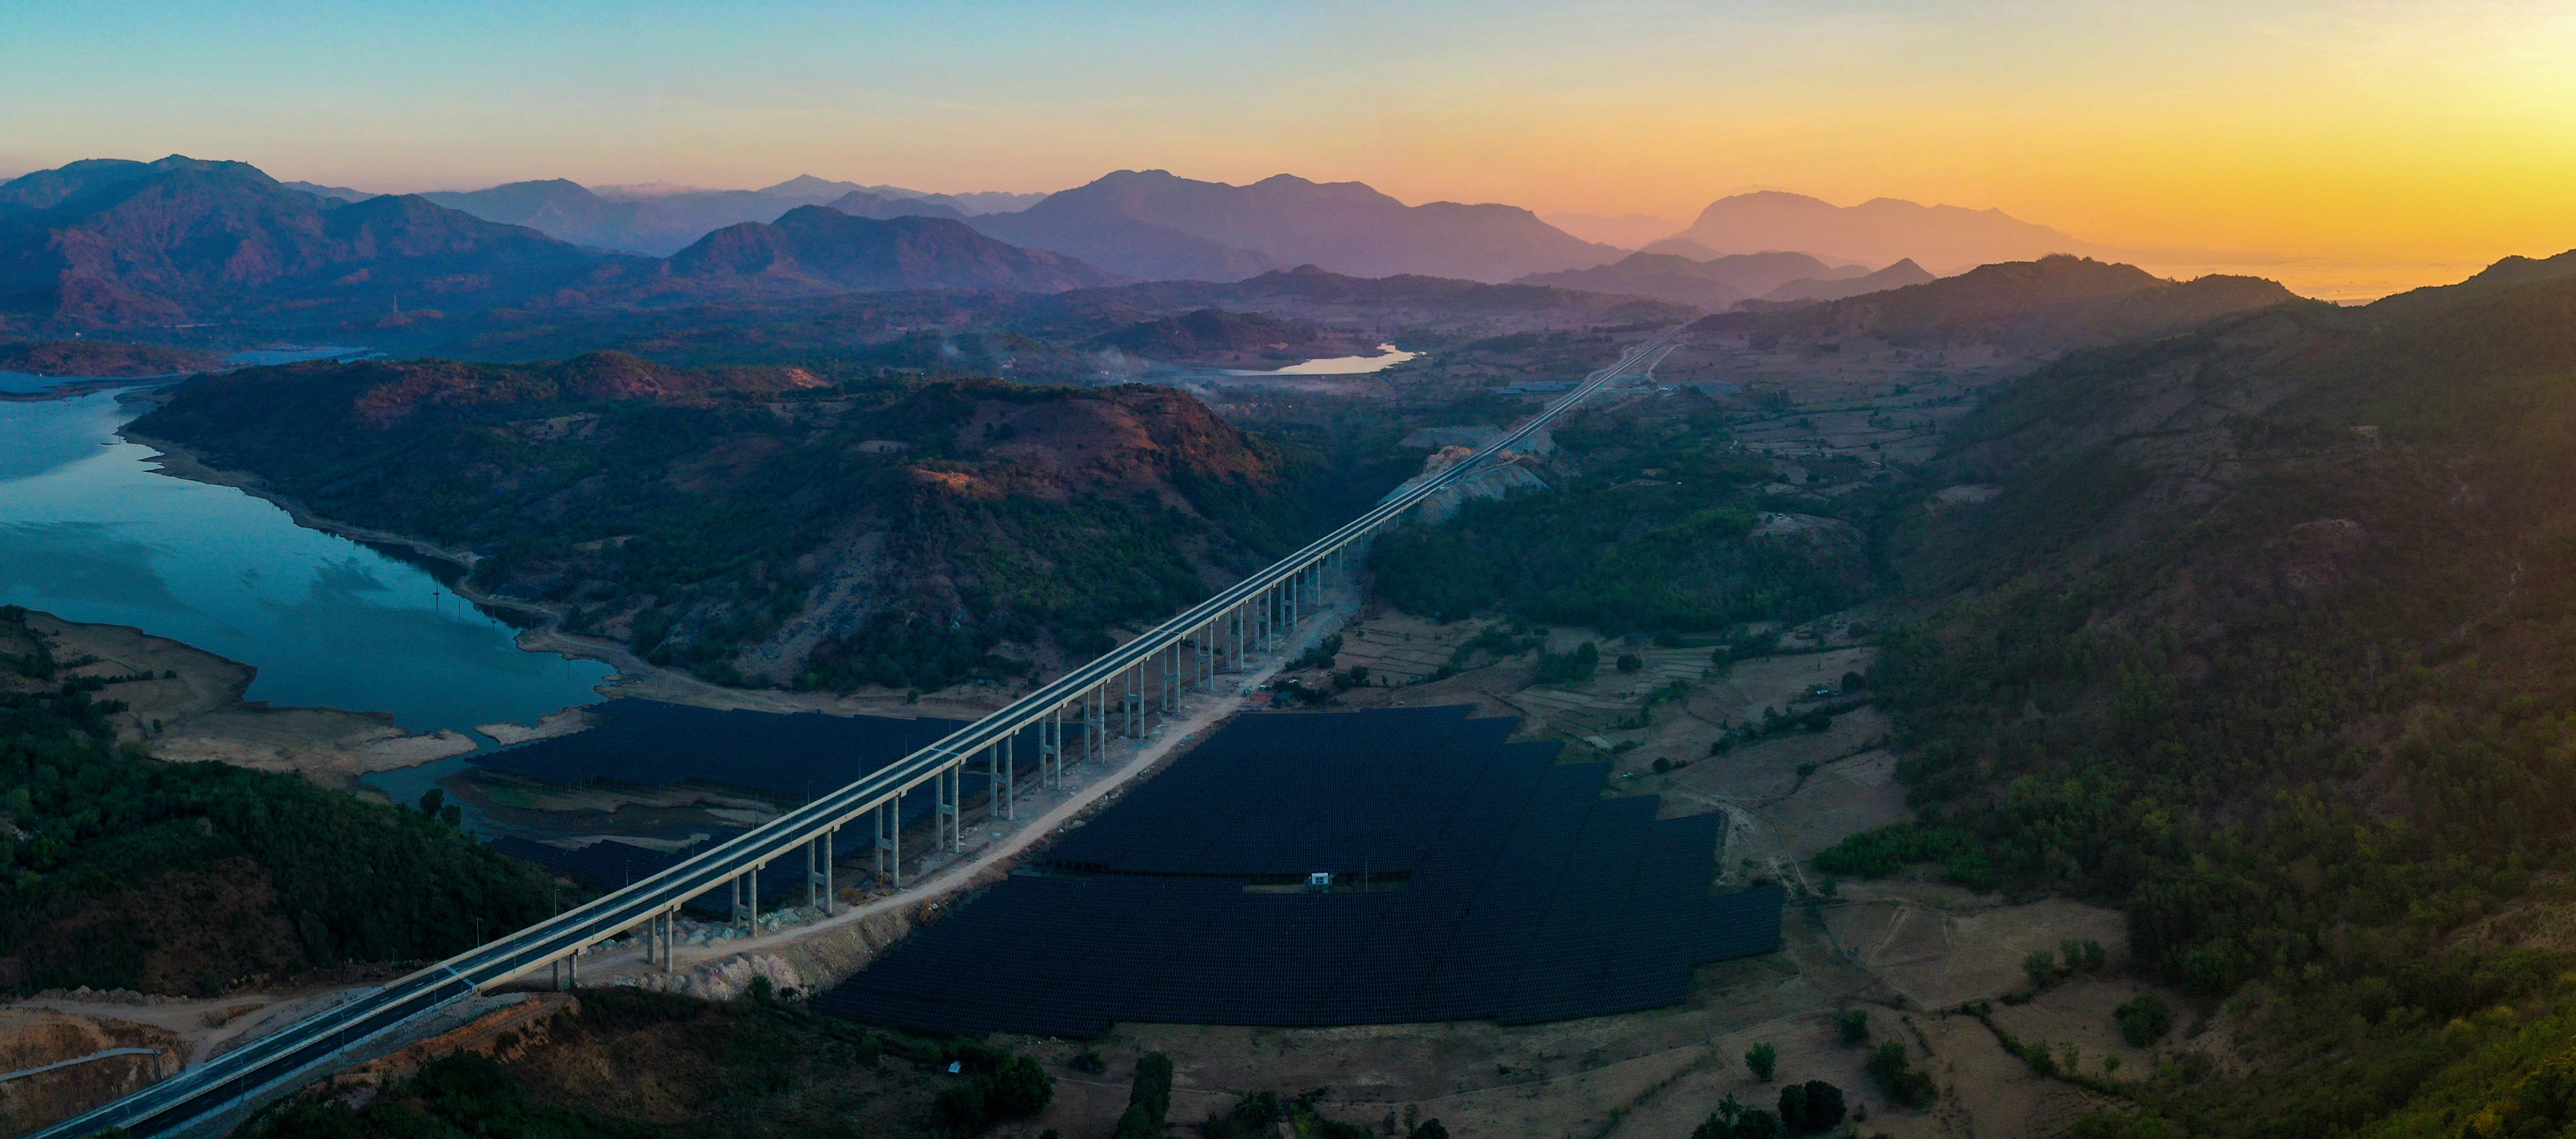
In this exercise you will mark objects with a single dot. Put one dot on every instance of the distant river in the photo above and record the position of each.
(89, 532)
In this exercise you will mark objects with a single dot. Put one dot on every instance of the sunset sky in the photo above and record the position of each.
(2337, 130)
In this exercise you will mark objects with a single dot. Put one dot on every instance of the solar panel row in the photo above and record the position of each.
(792, 756)
(610, 864)
(1507, 888)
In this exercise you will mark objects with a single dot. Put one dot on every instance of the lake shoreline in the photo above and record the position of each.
(546, 636)
(188, 706)
(635, 677)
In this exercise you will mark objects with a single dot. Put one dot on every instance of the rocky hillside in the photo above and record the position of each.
(757, 526)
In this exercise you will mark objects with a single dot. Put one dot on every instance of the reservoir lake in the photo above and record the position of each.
(89, 532)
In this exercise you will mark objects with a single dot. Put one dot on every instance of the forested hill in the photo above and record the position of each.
(758, 525)
(2267, 639)
(2048, 305)
(119, 871)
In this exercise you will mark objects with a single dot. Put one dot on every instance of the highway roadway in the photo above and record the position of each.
(290, 1052)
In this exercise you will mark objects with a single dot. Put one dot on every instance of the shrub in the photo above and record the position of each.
(963, 1105)
(1020, 1088)
(1320, 656)
(1854, 1023)
(1895, 1075)
(1255, 1116)
(1810, 1107)
(1137, 1123)
(2040, 968)
(1877, 853)
(2083, 956)
(1630, 662)
(2144, 1020)
(1153, 1089)
(1560, 668)
(1762, 1061)
(1734, 1120)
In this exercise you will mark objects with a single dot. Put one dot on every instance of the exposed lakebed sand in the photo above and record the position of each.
(186, 705)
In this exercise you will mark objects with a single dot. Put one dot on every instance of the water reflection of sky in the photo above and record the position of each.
(1388, 356)
(87, 531)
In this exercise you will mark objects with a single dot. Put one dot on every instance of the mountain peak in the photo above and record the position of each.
(809, 186)
(1158, 224)
(1878, 231)
(817, 249)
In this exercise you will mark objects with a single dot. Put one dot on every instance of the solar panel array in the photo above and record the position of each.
(609, 864)
(1506, 888)
(794, 756)
(790, 756)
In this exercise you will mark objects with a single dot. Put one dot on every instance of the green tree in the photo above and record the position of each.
(1152, 1090)
(2040, 968)
(1762, 1060)
(1734, 1120)
(2143, 1019)
(1021, 1087)
(1894, 1073)
(1854, 1023)
(1810, 1107)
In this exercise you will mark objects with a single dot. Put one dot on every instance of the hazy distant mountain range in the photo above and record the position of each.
(1945, 239)
(665, 222)
(180, 241)
(106, 243)
(1146, 224)
(2050, 304)
(818, 249)
(1155, 225)
(111, 242)
(1627, 231)
(1721, 282)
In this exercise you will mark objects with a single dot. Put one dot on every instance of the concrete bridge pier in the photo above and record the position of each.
(1010, 776)
(943, 835)
(890, 841)
(1051, 749)
(818, 872)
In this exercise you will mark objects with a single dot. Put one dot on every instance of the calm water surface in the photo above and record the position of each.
(88, 532)
(1388, 356)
